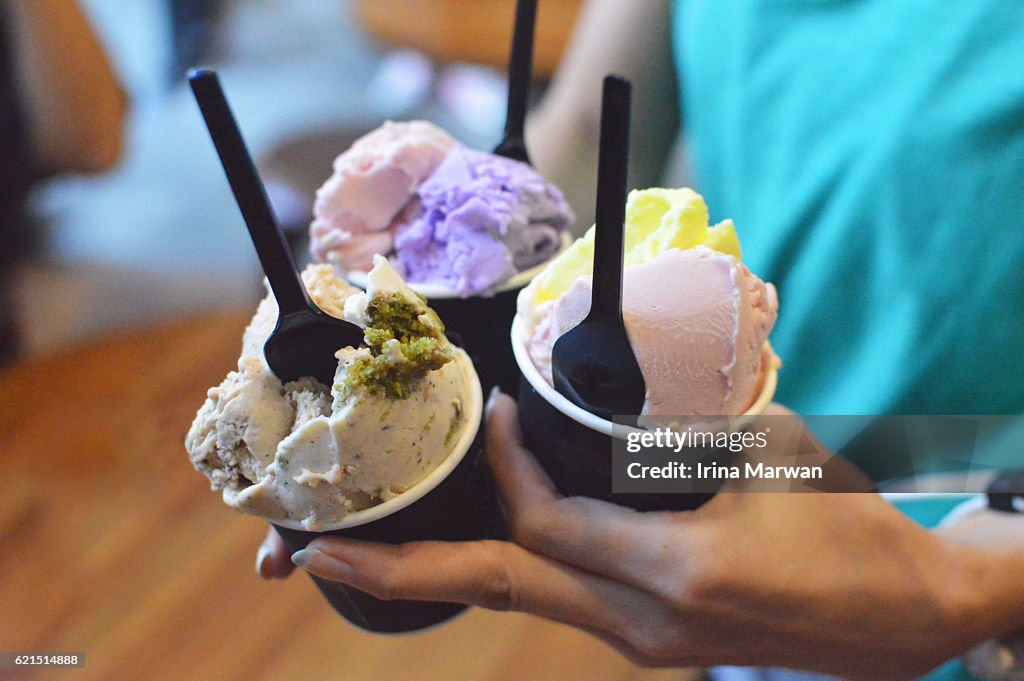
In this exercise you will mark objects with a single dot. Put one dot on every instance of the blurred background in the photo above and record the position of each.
(158, 235)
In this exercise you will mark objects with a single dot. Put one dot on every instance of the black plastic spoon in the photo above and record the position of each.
(593, 364)
(520, 71)
(305, 339)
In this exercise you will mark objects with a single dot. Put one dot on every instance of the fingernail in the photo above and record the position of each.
(261, 559)
(318, 562)
(491, 399)
(304, 557)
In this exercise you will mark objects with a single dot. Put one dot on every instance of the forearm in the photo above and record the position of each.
(631, 39)
(73, 104)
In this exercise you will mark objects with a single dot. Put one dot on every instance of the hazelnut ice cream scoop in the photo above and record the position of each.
(311, 454)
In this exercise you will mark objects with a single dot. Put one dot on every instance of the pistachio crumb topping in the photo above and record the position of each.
(421, 347)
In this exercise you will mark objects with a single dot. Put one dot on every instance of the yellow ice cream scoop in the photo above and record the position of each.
(657, 219)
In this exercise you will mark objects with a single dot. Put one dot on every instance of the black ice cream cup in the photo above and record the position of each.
(575, 447)
(479, 326)
(455, 502)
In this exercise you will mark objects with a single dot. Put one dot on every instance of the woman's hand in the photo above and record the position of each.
(836, 583)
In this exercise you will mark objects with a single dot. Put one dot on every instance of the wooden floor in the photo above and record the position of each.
(113, 546)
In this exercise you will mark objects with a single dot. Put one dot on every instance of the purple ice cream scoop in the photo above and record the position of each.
(478, 220)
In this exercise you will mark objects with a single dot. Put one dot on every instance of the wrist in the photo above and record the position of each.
(1005, 573)
(1000, 657)
(966, 596)
(984, 593)
(1006, 500)
(986, 534)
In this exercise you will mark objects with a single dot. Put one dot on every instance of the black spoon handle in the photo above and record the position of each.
(606, 303)
(520, 71)
(251, 196)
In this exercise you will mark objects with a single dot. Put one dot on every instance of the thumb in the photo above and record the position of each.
(273, 560)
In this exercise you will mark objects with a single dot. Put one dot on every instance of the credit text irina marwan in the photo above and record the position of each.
(735, 441)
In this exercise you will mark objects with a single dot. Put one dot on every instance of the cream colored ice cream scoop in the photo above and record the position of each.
(307, 454)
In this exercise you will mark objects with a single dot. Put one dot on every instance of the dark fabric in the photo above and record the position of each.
(15, 177)
(15, 168)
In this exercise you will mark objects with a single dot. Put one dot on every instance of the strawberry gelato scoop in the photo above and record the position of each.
(445, 214)
(356, 209)
(697, 318)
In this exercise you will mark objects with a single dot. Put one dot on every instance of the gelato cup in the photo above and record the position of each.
(575, 447)
(698, 322)
(391, 452)
(455, 502)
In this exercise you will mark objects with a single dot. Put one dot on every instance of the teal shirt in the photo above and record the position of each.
(871, 153)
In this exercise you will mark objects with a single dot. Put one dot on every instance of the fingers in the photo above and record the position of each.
(273, 560)
(521, 481)
(491, 574)
(602, 538)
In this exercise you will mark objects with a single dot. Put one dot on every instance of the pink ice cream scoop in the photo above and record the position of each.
(357, 208)
(697, 320)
